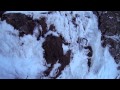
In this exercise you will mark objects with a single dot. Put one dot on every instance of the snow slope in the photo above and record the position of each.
(27, 61)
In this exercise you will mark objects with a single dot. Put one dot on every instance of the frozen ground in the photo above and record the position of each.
(27, 61)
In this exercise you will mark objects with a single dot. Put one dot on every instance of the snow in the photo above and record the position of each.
(23, 57)
(65, 48)
(114, 37)
(54, 70)
(51, 33)
(17, 60)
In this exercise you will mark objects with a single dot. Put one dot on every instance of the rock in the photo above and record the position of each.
(90, 53)
(21, 22)
(64, 61)
(52, 27)
(109, 24)
(53, 49)
(54, 52)
(42, 22)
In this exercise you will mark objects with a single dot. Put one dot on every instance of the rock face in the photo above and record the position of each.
(109, 24)
(42, 23)
(54, 52)
(53, 49)
(21, 22)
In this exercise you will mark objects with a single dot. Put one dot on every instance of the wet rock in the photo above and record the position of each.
(21, 22)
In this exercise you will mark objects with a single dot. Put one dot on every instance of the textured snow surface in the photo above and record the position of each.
(26, 61)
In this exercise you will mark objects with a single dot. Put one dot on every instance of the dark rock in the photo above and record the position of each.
(54, 52)
(65, 59)
(118, 67)
(52, 27)
(113, 48)
(109, 24)
(74, 21)
(90, 53)
(53, 49)
(42, 22)
(21, 22)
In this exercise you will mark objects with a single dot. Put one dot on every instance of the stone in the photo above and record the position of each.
(109, 24)
(54, 52)
(21, 22)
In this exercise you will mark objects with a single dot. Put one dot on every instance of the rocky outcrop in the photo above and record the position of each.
(53, 49)
(21, 22)
(42, 23)
(109, 24)
(54, 52)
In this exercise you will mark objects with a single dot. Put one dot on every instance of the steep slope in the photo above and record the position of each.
(57, 44)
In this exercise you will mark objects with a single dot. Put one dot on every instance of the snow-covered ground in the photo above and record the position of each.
(26, 61)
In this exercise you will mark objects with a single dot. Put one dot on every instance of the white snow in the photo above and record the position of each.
(17, 60)
(65, 48)
(55, 69)
(114, 37)
(51, 33)
(23, 57)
